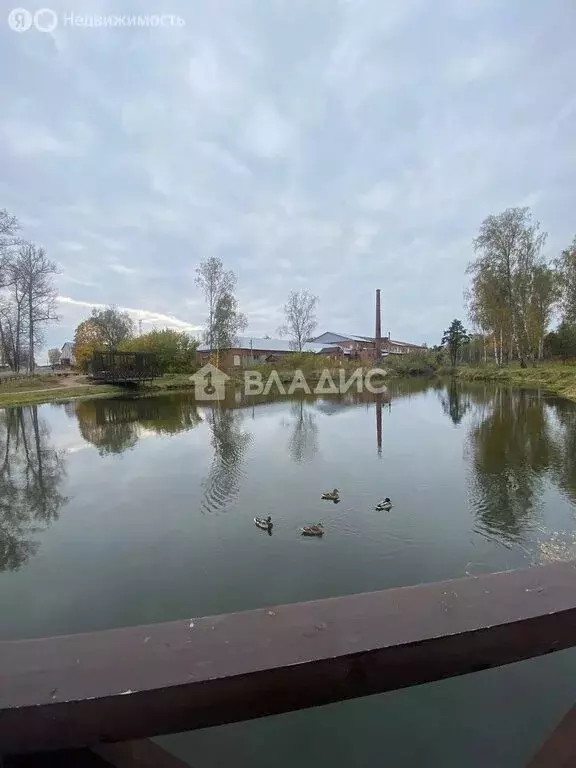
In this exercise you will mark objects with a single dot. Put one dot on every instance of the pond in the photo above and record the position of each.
(116, 512)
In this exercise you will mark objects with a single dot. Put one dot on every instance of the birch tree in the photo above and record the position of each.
(566, 271)
(300, 313)
(507, 272)
(224, 320)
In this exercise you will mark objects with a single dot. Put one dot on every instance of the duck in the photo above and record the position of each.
(385, 505)
(312, 530)
(263, 522)
(331, 495)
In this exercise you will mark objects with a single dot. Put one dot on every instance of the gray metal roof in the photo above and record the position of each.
(267, 345)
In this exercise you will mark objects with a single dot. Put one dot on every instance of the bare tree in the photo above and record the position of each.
(13, 328)
(9, 226)
(35, 274)
(300, 312)
(225, 321)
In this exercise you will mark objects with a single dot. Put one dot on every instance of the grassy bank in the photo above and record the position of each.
(56, 396)
(31, 390)
(555, 377)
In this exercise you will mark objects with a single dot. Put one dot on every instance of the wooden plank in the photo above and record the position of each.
(138, 754)
(559, 749)
(143, 753)
(74, 758)
(78, 690)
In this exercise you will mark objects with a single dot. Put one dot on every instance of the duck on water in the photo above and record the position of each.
(312, 530)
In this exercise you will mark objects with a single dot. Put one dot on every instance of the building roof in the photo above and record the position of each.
(267, 345)
(335, 338)
(68, 345)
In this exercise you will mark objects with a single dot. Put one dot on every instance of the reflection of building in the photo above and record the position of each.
(67, 354)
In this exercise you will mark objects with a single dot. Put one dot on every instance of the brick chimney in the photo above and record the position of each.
(378, 339)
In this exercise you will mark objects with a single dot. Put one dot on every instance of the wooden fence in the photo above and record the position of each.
(104, 693)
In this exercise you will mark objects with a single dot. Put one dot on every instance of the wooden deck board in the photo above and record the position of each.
(130, 683)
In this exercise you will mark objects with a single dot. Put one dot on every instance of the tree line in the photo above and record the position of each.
(27, 296)
(514, 294)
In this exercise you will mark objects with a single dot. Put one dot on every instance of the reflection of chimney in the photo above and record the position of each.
(378, 344)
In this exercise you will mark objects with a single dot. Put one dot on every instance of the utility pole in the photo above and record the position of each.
(140, 327)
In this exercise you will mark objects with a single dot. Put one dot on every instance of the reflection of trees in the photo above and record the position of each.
(564, 468)
(455, 402)
(303, 442)
(31, 472)
(511, 448)
(114, 426)
(230, 443)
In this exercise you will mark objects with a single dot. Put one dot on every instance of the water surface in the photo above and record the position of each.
(120, 512)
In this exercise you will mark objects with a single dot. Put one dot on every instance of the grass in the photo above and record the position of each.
(25, 383)
(555, 377)
(168, 382)
(31, 390)
(8, 399)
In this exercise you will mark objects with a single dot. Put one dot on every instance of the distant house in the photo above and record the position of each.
(253, 351)
(67, 358)
(363, 348)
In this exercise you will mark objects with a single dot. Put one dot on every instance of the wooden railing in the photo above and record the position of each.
(95, 690)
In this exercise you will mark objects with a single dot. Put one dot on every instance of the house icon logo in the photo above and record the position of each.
(209, 383)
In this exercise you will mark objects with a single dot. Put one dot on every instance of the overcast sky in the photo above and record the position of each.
(334, 145)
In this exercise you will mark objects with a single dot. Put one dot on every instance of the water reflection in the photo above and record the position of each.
(230, 443)
(303, 441)
(564, 451)
(115, 426)
(455, 401)
(31, 471)
(516, 440)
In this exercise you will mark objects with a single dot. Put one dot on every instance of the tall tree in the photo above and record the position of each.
(544, 293)
(35, 272)
(88, 338)
(228, 322)
(9, 226)
(508, 249)
(224, 320)
(566, 271)
(13, 318)
(454, 339)
(562, 342)
(113, 326)
(300, 314)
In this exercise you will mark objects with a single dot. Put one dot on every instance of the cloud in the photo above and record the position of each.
(122, 269)
(266, 133)
(333, 146)
(157, 319)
